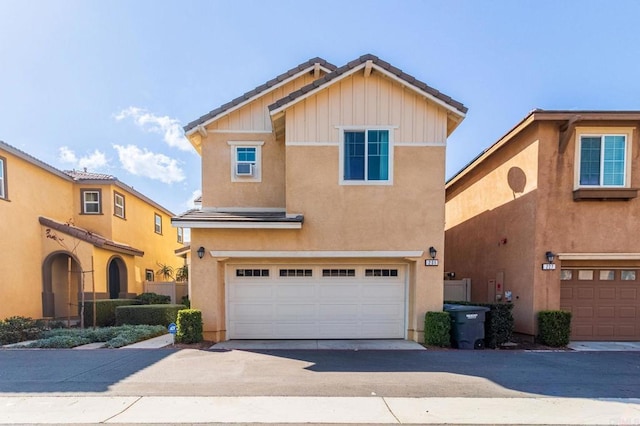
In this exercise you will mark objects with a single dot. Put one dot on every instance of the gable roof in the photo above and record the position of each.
(81, 176)
(258, 91)
(382, 66)
(565, 118)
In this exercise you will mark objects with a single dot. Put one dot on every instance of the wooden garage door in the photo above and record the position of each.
(315, 301)
(605, 303)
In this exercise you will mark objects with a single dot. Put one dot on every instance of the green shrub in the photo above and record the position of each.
(112, 337)
(105, 311)
(189, 326)
(554, 328)
(153, 299)
(437, 328)
(498, 322)
(147, 314)
(18, 329)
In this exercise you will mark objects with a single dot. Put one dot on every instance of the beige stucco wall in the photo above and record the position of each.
(34, 191)
(491, 229)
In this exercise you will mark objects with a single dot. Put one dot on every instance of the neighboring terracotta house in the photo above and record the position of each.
(99, 223)
(563, 182)
(322, 192)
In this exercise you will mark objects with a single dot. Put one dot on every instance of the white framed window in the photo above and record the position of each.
(180, 235)
(3, 178)
(148, 274)
(91, 201)
(366, 156)
(118, 205)
(157, 219)
(246, 161)
(603, 157)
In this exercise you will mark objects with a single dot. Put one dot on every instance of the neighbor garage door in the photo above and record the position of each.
(605, 303)
(315, 301)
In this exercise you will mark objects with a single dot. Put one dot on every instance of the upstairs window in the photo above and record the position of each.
(157, 223)
(91, 201)
(603, 160)
(118, 205)
(246, 161)
(3, 178)
(180, 235)
(366, 156)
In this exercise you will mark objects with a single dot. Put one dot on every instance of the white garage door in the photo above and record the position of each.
(316, 301)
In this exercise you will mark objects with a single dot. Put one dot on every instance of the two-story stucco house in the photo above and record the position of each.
(322, 193)
(111, 237)
(549, 215)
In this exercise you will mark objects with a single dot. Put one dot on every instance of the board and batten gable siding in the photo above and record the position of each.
(366, 101)
(255, 115)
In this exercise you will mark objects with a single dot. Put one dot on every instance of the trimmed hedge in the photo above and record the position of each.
(105, 311)
(437, 328)
(554, 328)
(18, 329)
(189, 326)
(153, 299)
(147, 314)
(498, 322)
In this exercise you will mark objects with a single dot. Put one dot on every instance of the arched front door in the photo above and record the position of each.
(59, 288)
(117, 278)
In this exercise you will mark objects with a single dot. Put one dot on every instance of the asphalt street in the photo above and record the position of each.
(320, 373)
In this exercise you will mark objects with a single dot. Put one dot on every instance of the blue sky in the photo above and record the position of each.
(108, 85)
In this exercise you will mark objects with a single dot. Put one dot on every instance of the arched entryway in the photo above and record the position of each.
(117, 278)
(60, 290)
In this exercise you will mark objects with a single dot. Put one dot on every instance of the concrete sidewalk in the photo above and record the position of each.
(326, 410)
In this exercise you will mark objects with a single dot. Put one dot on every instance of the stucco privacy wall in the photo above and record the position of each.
(29, 187)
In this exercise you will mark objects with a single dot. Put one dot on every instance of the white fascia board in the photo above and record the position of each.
(245, 209)
(598, 256)
(235, 225)
(253, 98)
(316, 254)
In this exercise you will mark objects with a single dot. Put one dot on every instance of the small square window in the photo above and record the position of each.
(158, 223)
(245, 161)
(366, 156)
(585, 275)
(91, 201)
(566, 274)
(118, 205)
(607, 275)
(148, 274)
(603, 160)
(628, 275)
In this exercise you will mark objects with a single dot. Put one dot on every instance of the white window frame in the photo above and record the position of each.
(256, 176)
(157, 223)
(3, 178)
(117, 205)
(341, 179)
(602, 132)
(85, 203)
(180, 234)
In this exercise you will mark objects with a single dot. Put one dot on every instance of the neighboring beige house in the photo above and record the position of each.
(54, 220)
(564, 182)
(322, 193)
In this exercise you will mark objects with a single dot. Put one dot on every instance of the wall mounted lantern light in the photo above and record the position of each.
(433, 252)
(550, 256)
(201, 252)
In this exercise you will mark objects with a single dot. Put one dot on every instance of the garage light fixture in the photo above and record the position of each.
(201, 252)
(433, 252)
(550, 256)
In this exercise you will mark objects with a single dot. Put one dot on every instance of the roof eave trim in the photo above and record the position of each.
(235, 225)
(378, 68)
(205, 123)
(306, 254)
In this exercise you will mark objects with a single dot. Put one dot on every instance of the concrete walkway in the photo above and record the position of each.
(604, 346)
(326, 410)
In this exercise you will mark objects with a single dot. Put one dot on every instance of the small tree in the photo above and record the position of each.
(182, 273)
(165, 271)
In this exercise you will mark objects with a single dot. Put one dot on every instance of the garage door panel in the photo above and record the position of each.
(613, 313)
(251, 292)
(317, 305)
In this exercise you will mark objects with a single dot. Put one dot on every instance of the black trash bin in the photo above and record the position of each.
(467, 325)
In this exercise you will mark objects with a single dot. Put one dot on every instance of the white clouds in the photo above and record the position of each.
(166, 126)
(191, 201)
(94, 161)
(148, 164)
